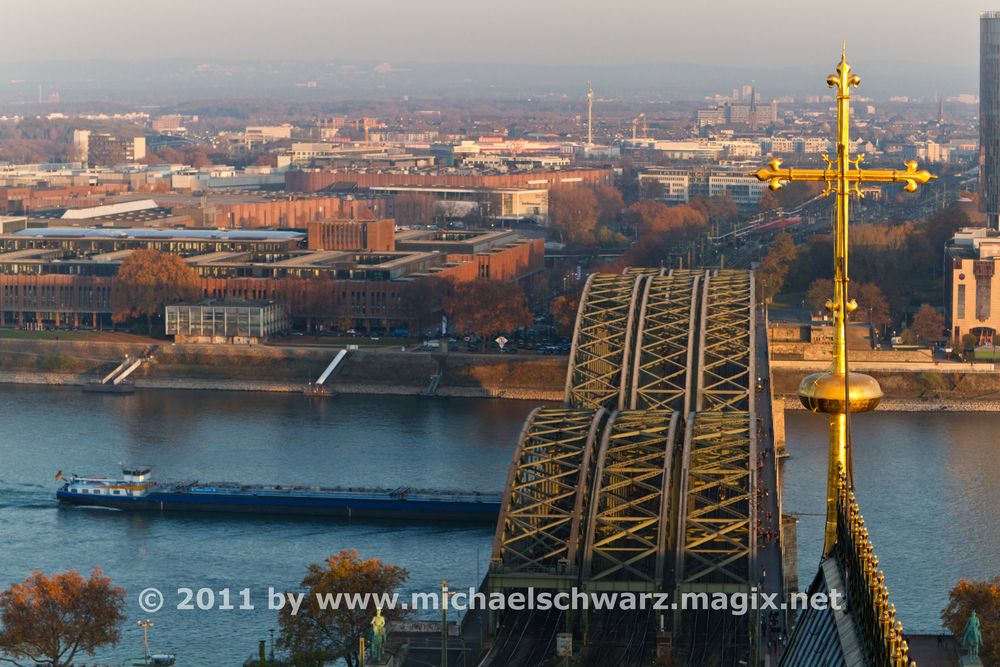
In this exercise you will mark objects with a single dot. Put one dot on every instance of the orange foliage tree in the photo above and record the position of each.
(51, 619)
(486, 307)
(573, 213)
(315, 634)
(927, 325)
(564, 309)
(147, 281)
(984, 598)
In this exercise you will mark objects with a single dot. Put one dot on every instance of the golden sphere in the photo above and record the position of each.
(824, 392)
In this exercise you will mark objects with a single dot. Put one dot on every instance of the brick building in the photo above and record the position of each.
(66, 276)
(377, 235)
(315, 180)
(297, 212)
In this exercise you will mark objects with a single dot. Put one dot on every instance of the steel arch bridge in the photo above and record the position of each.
(644, 480)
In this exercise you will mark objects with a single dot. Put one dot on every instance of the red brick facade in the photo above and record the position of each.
(295, 212)
(373, 235)
(313, 181)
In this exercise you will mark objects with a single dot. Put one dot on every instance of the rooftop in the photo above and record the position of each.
(225, 235)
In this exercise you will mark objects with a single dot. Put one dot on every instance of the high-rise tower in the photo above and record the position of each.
(590, 114)
(989, 116)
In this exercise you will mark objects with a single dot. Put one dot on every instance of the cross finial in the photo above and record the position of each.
(831, 392)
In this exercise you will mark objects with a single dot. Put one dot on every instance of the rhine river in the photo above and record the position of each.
(927, 486)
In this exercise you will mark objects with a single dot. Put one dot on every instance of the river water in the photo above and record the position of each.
(926, 487)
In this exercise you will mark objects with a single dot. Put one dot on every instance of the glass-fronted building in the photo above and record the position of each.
(236, 322)
(989, 116)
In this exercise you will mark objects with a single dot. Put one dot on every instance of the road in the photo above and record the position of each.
(768, 513)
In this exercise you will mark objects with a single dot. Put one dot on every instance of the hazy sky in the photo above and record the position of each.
(713, 32)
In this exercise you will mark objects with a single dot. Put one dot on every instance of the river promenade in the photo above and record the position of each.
(287, 369)
(910, 386)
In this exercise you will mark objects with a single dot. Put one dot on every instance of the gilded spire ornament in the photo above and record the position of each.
(837, 392)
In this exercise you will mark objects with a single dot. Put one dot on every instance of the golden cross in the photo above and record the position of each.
(836, 392)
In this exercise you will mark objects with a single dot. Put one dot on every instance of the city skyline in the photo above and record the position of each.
(416, 49)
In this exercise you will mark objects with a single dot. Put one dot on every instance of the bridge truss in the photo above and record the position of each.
(726, 366)
(661, 370)
(717, 503)
(665, 343)
(538, 532)
(602, 341)
(629, 523)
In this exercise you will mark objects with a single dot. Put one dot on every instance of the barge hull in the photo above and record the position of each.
(326, 507)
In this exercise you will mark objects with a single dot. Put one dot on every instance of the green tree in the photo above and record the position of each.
(984, 598)
(928, 324)
(147, 281)
(486, 307)
(573, 213)
(53, 618)
(327, 634)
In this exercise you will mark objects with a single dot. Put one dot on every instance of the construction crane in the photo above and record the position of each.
(370, 124)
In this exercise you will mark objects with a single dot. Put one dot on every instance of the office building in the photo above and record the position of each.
(972, 283)
(989, 116)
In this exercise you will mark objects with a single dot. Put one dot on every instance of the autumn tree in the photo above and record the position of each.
(928, 324)
(768, 201)
(332, 632)
(721, 207)
(564, 309)
(652, 189)
(423, 299)
(485, 307)
(147, 281)
(773, 270)
(414, 208)
(52, 619)
(873, 307)
(796, 193)
(653, 217)
(573, 213)
(819, 292)
(983, 597)
(610, 205)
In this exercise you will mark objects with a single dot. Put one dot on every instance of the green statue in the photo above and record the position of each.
(379, 636)
(972, 638)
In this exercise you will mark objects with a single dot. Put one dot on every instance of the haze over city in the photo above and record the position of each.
(455, 48)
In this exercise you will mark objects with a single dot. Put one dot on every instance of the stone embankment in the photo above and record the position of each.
(287, 369)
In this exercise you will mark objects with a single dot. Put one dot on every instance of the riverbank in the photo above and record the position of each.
(917, 405)
(386, 371)
(911, 387)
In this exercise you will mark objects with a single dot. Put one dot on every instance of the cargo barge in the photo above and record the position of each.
(136, 491)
